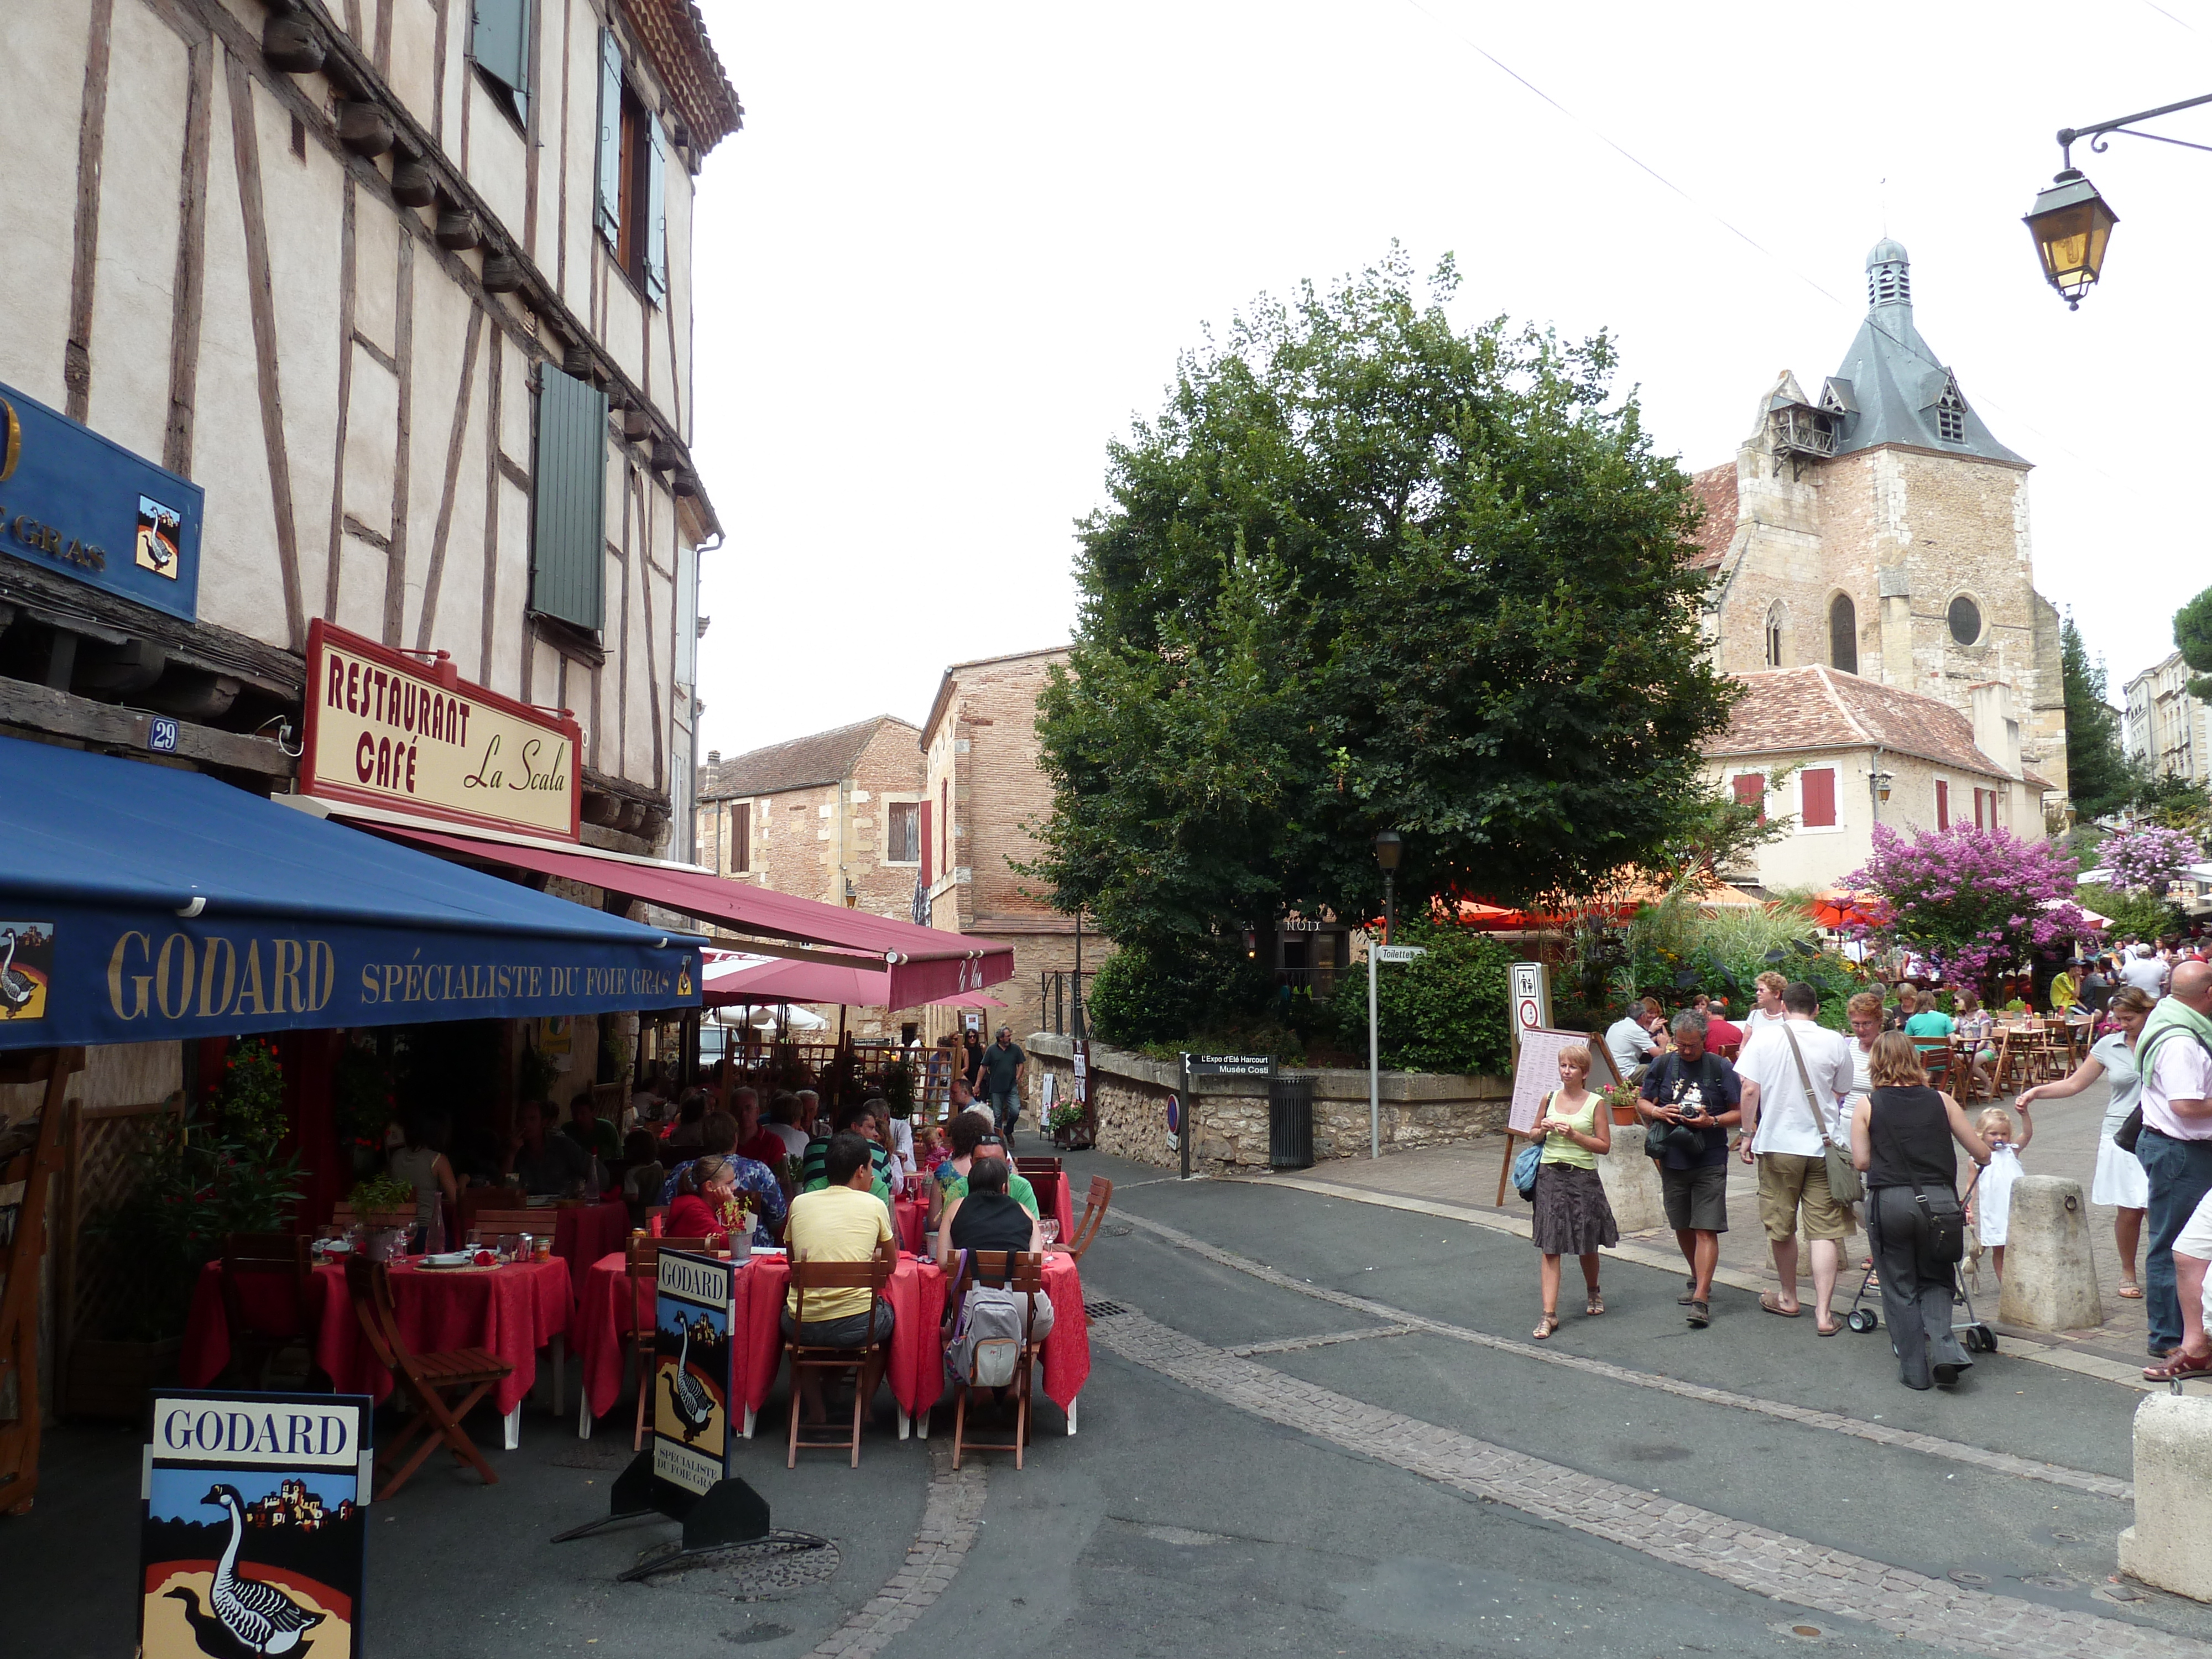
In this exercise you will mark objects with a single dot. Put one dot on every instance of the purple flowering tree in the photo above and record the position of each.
(1976, 903)
(2147, 861)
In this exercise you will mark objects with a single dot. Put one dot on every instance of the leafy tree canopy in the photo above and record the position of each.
(1366, 570)
(2192, 636)
(2099, 778)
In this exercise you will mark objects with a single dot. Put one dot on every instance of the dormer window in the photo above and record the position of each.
(1950, 414)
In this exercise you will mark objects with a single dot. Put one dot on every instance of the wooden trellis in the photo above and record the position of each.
(95, 1292)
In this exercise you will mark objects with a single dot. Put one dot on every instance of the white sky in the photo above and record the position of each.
(957, 247)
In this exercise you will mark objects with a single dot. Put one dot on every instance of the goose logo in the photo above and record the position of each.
(11, 441)
(160, 529)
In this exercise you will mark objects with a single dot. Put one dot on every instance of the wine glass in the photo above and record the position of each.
(1051, 1232)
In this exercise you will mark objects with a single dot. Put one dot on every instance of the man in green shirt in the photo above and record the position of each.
(1930, 1022)
(858, 1118)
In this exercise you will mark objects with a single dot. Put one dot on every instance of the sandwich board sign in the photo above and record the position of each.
(252, 1534)
(694, 1369)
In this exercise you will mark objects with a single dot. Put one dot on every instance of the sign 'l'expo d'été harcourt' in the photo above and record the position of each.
(386, 729)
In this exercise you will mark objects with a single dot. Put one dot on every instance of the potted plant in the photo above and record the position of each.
(1066, 1125)
(1621, 1097)
(384, 1206)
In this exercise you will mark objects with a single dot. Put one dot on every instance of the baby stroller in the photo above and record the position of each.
(1975, 1335)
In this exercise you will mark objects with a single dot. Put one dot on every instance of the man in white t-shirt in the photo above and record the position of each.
(1786, 1133)
(2146, 972)
(2175, 1150)
(1630, 1041)
(1766, 1003)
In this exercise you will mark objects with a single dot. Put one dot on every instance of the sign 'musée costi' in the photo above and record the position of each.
(75, 503)
(138, 903)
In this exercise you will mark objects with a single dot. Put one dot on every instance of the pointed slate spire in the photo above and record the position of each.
(1897, 390)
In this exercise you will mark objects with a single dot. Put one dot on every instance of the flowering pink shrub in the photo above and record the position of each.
(1976, 903)
(2147, 861)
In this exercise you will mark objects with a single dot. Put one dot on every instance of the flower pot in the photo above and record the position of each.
(110, 1379)
(1624, 1116)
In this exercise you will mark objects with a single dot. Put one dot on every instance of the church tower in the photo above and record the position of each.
(1878, 528)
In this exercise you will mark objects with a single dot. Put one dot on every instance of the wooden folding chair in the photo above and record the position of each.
(1036, 1166)
(1023, 1273)
(428, 1378)
(280, 1272)
(641, 1262)
(1094, 1210)
(873, 1273)
(1936, 1059)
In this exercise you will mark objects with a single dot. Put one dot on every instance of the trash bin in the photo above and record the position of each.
(1289, 1123)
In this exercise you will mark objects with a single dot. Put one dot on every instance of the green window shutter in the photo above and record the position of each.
(569, 556)
(656, 216)
(609, 213)
(500, 42)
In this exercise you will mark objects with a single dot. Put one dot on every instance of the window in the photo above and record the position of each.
(569, 537)
(1843, 633)
(1751, 791)
(903, 843)
(1774, 618)
(1985, 809)
(631, 212)
(944, 824)
(741, 837)
(1943, 803)
(1817, 797)
(1951, 416)
(499, 43)
(1965, 619)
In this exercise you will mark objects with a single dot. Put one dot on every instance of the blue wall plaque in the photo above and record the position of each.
(76, 504)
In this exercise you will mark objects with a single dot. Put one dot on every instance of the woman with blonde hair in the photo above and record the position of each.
(2119, 1179)
(1572, 1217)
(1901, 1139)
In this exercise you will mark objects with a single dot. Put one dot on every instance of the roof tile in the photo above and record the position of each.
(1715, 489)
(1789, 709)
(797, 763)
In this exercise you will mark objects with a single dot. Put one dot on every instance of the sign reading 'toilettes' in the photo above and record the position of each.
(386, 730)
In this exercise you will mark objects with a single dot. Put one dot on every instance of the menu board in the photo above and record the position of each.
(1537, 1073)
(694, 1360)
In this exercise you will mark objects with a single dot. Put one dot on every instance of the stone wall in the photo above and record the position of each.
(1131, 1093)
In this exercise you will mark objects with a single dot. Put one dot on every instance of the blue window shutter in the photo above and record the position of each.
(609, 213)
(500, 42)
(656, 216)
(568, 558)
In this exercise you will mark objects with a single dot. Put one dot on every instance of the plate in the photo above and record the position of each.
(450, 1258)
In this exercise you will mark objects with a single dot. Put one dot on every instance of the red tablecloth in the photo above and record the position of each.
(512, 1312)
(910, 1217)
(582, 1233)
(916, 1294)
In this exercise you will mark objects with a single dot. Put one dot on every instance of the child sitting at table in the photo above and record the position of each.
(929, 1146)
(706, 1204)
(1991, 1207)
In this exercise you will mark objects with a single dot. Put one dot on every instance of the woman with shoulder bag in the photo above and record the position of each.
(2119, 1179)
(1572, 1217)
(1901, 1139)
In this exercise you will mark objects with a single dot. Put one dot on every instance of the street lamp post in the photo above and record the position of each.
(1390, 845)
(2070, 222)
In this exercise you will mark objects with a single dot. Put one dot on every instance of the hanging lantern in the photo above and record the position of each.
(2071, 225)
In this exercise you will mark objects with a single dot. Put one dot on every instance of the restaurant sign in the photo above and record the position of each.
(694, 1373)
(81, 507)
(394, 729)
(252, 1539)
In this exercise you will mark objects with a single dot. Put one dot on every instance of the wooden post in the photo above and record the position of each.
(21, 1261)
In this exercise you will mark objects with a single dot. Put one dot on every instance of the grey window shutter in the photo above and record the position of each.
(500, 42)
(611, 96)
(568, 559)
(656, 216)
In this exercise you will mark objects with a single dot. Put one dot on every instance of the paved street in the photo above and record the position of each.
(1316, 1427)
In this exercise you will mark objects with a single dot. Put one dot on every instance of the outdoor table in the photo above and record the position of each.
(582, 1233)
(916, 1372)
(510, 1311)
(909, 1218)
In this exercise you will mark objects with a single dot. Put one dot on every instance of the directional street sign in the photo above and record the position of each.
(1400, 952)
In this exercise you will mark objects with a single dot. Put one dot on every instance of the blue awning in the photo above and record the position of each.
(139, 902)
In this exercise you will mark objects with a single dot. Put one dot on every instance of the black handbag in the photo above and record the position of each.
(2129, 1131)
(1945, 1227)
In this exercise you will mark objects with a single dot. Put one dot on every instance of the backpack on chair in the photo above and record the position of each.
(989, 1332)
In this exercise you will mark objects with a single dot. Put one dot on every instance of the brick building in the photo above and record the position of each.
(835, 817)
(982, 790)
(2168, 730)
(1878, 529)
(1840, 752)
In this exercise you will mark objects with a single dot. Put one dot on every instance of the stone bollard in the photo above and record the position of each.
(1632, 1181)
(2171, 1543)
(2049, 1280)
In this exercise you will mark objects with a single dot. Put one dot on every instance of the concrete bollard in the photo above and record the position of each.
(2171, 1543)
(2049, 1279)
(1632, 1181)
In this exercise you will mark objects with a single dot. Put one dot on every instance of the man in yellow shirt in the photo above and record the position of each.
(843, 1221)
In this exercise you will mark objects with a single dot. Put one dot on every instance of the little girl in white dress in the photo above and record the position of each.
(1992, 1205)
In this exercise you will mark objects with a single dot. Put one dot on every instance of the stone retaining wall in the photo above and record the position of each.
(1230, 1116)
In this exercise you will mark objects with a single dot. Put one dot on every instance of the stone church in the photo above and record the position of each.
(1872, 524)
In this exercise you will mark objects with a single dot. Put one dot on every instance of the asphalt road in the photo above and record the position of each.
(1283, 1500)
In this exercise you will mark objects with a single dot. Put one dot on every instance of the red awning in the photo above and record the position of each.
(921, 964)
(785, 980)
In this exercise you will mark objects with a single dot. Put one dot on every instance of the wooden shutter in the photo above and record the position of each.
(1818, 794)
(569, 556)
(926, 846)
(1943, 803)
(741, 835)
(608, 212)
(944, 825)
(500, 43)
(656, 212)
(1751, 791)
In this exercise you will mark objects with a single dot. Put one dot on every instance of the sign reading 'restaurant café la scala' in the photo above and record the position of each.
(389, 729)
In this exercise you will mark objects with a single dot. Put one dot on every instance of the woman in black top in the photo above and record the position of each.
(987, 1217)
(1901, 1139)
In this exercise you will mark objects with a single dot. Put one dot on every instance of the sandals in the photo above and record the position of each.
(1689, 1293)
(1594, 1306)
(1771, 1304)
(1701, 1315)
(2180, 1367)
(1545, 1328)
(2130, 1290)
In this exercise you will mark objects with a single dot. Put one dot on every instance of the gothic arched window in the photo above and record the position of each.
(1843, 633)
(1775, 617)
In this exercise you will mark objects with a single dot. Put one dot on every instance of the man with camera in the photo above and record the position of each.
(1689, 1103)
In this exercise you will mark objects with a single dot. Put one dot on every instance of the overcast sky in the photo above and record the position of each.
(957, 247)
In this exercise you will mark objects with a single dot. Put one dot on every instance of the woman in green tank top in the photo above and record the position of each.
(1572, 1217)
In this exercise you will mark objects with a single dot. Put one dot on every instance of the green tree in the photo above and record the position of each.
(2099, 779)
(1366, 570)
(2192, 636)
